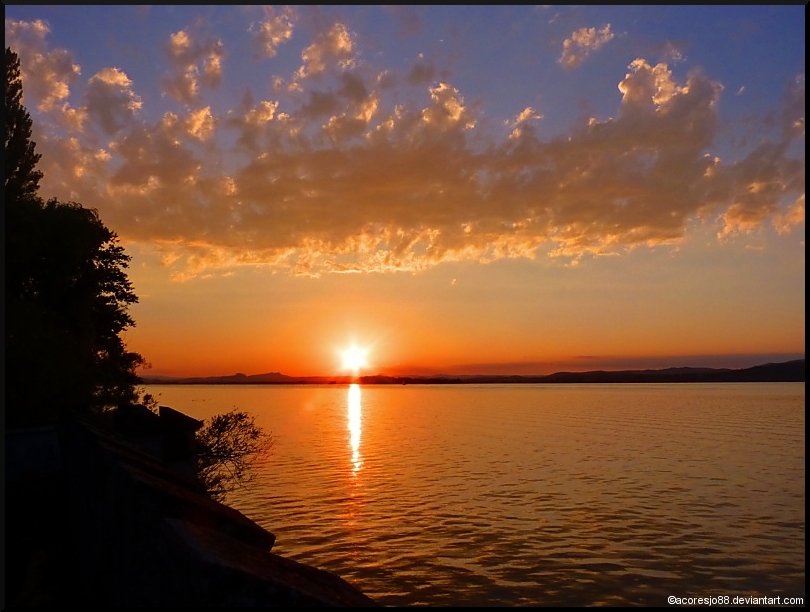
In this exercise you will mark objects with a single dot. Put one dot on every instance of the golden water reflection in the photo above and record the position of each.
(355, 428)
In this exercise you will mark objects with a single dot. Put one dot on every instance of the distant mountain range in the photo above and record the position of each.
(788, 371)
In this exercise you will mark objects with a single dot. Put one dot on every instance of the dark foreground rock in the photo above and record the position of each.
(108, 524)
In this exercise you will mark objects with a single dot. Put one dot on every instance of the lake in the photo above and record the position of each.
(530, 495)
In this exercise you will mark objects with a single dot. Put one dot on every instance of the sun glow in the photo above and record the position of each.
(354, 358)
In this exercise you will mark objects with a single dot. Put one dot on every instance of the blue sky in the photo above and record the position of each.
(531, 187)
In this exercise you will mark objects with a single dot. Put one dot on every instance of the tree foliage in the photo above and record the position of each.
(67, 300)
(22, 178)
(228, 447)
(67, 292)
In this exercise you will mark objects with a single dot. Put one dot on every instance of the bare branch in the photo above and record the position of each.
(228, 447)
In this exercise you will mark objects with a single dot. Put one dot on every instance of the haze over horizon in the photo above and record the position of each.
(449, 189)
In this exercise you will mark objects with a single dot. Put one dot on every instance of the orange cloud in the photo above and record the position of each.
(274, 31)
(340, 176)
(582, 43)
(192, 61)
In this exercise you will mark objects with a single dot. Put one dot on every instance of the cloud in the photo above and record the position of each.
(252, 122)
(110, 101)
(757, 190)
(198, 124)
(192, 62)
(768, 183)
(422, 73)
(341, 176)
(447, 109)
(274, 31)
(47, 74)
(521, 123)
(333, 47)
(582, 43)
(792, 116)
(784, 222)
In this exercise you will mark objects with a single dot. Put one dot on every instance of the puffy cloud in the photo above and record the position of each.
(273, 31)
(198, 124)
(74, 119)
(412, 197)
(30, 34)
(338, 175)
(47, 74)
(155, 157)
(251, 121)
(353, 123)
(447, 109)
(582, 43)
(78, 168)
(351, 98)
(333, 47)
(110, 100)
(212, 67)
(193, 62)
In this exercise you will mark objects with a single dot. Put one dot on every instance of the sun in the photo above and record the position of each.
(354, 358)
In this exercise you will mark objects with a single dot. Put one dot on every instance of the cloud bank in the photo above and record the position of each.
(343, 172)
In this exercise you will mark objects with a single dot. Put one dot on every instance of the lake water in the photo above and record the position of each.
(530, 495)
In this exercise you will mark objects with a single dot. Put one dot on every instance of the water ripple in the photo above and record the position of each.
(525, 495)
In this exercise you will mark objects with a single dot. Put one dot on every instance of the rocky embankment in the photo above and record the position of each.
(114, 517)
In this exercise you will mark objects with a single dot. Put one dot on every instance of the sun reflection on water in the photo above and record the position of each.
(354, 425)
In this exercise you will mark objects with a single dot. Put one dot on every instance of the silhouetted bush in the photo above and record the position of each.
(228, 447)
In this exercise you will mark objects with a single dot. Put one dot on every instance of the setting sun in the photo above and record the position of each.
(354, 358)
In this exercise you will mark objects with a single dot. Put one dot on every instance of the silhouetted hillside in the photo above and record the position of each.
(789, 371)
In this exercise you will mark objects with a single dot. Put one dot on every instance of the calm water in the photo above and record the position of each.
(531, 494)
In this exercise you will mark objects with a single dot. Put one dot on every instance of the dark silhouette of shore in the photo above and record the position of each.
(788, 371)
(109, 511)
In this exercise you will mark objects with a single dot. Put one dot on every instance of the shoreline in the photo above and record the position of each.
(788, 371)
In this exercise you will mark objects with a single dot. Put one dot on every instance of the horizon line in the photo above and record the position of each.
(507, 369)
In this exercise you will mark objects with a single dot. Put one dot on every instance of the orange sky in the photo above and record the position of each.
(645, 309)
(467, 189)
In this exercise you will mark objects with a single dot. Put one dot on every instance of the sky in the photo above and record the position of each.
(447, 189)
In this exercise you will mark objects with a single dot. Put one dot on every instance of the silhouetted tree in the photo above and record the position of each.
(67, 299)
(67, 292)
(22, 178)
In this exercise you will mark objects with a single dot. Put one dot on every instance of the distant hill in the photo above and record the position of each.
(788, 371)
(233, 379)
